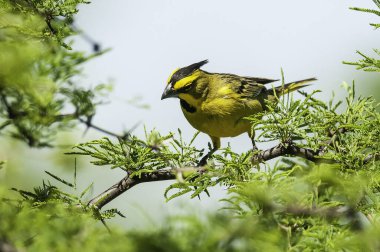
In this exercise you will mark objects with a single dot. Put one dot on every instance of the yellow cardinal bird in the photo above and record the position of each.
(217, 103)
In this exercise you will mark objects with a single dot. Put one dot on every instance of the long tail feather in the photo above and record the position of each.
(293, 86)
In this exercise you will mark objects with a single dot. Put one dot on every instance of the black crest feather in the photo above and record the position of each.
(186, 71)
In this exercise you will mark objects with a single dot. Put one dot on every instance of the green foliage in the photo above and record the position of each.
(37, 70)
(51, 226)
(137, 156)
(59, 227)
(368, 63)
(49, 194)
(309, 201)
(318, 126)
(57, 17)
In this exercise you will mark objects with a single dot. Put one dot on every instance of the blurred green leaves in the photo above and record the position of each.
(38, 94)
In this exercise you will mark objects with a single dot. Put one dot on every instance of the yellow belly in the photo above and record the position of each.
(223, 117)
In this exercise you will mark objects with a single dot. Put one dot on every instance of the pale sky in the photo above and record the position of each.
(150, 38)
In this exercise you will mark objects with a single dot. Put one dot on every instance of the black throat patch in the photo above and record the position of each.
(186, 106)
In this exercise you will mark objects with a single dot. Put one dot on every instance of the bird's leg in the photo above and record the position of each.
(204, 159)
(251, 135)
(254, 147)
(215, 147)
(255, 150)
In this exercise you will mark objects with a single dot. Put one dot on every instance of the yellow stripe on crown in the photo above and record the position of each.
(187, 80)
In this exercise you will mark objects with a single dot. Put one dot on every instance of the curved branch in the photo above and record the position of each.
(281, 150)
(127, 183)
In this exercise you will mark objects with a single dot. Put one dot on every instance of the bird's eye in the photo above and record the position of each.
(186, 88)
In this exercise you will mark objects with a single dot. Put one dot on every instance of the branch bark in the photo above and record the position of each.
(127, 183)
(291, 149)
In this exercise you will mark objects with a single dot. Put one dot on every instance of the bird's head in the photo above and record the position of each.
(183, 81)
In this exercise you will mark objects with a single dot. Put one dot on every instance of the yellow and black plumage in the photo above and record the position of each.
(217, 103)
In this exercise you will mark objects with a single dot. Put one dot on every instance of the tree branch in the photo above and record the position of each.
(127, 183)
(290, 149)
(168, 174)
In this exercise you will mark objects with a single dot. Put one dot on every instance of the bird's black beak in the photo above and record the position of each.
(169, 92)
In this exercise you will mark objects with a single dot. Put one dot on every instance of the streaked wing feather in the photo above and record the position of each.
(247, 87)
(260, 80)
(250, 88)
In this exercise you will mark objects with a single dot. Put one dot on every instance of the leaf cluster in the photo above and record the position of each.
(136, 156)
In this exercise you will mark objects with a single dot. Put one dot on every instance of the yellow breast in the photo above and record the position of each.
(223, 117)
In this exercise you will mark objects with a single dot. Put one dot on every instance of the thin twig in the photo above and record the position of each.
(89, 124)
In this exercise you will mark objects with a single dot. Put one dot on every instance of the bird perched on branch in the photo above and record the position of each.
(217, 103)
